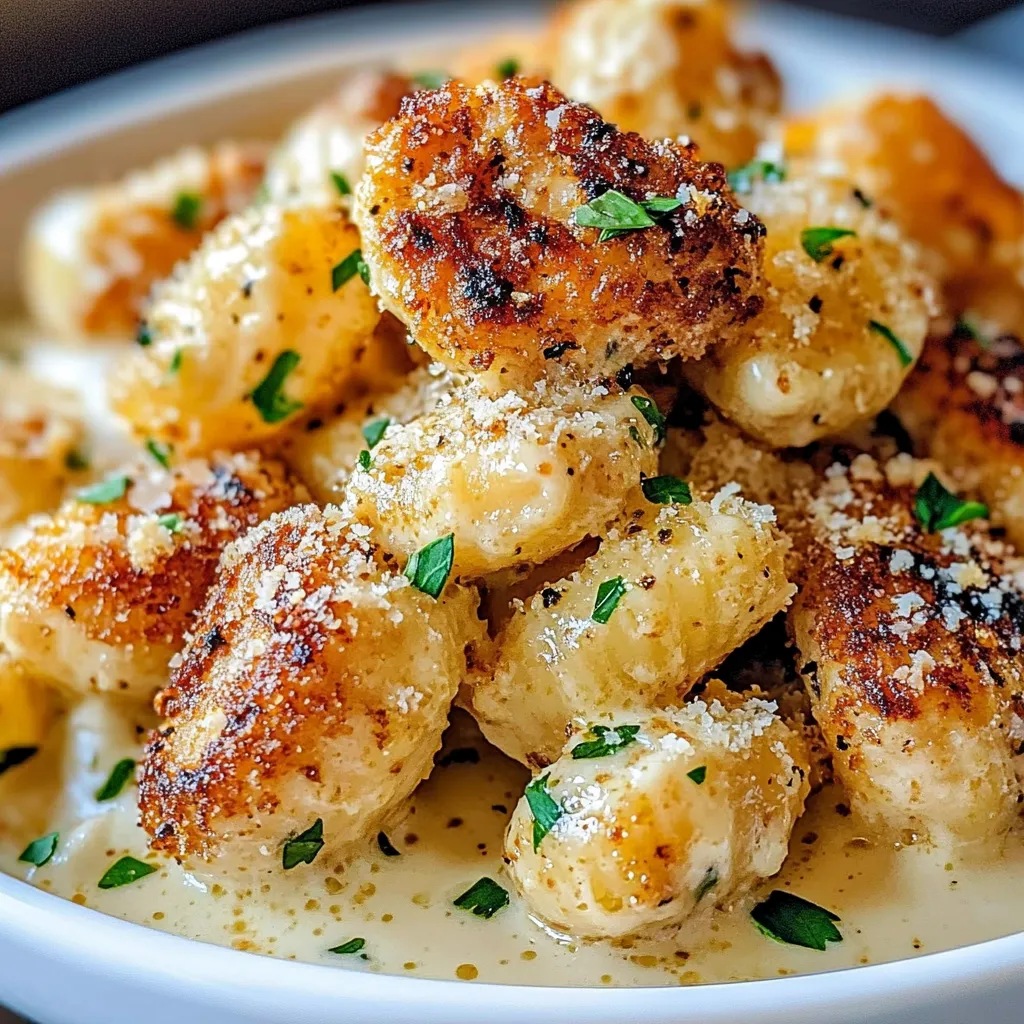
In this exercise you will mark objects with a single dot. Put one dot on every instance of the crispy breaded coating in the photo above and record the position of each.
(98, 596)
(516, 479)
(40, 427)
(665, 68)
(92, 254)
(910, 647)
(818, 357)
(690, 807)
(696, 581)
(328, 141)
(324, 452)
(964, 406)
(251, 331)
(467, 216)
(316, 686)
(917, 164)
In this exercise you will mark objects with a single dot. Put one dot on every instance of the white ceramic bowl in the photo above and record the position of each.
(62, 964)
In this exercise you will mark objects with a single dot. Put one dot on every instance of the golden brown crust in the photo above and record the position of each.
(466, 213)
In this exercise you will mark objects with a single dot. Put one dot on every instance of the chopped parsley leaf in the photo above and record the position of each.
(105, 491)
(374, 431)
(75, 460)
(608, 596)
(484, 898)
(967, 328)
(341, 183)
(385, 846)
(351, 265)
(429, 568)
(13, 756)
(364, 460)
(431, 79)
(707, 883)
(666, 490)
(543, 808)
(175, 364)
(185, 212)
(607, 741)
(40, 850)
(652, 414)
(635, 435)
(352, 946)
(508, 68)
(817, 242)
(615, 213)
(661, 204)
(119, 775)
(901, 350)
(938, 509)
(144, 336)
(698, 775)
(742, 179)
(170, 521)
(161, 452)
(304, 847)
(787, 918)
(124, 872)
(268, 396)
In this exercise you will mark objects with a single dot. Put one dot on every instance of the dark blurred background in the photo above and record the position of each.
(47, 45)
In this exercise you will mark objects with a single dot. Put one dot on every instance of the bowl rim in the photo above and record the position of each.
(60, 929)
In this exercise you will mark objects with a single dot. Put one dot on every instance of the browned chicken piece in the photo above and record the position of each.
(910, 159)
(315, 688)
(92, 254)
(99, 596)
(910, 647)
(964, 406)
(665, 68)
(471, 211)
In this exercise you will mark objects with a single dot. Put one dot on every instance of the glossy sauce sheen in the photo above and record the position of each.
(893, 903)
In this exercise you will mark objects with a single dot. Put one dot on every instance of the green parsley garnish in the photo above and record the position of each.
(817, 242)
(352, 946)
(431, 79)
(39, 851)
(652, 414)
(374, 431)
(938, 509)
(175, 364)
(385, 846)
(170, 521)
(304, 847)
(615, 213)
(607, 741)
(666, 490)
(698, 775)
(508, 68)
(161, 452)
(966, 328)
(429, 568)
(796, 921)
(608, 596)
(351, 265)
(119, 775)
(635, 434)
(185, 212)
(364, 460)
(544, 809)
(341, 183)
(268, 396)
(484, 898)
(901, 350)
(144, 336)
(13, 756)
(75, 460)
(124, 872)
(742, 179)
(707, 883)
(104, 492)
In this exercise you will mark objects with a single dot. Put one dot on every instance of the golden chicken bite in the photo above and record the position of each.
(670, 592)
(99, 596)
(321, 156)
(660, 815)
(316, 687)
(666, 68)
(515, 479)
(92, 254)
(847, 306)
(964, 406)
(266, 319)
(468, 215)
(910, 645)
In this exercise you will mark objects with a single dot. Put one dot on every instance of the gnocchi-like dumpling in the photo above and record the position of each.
(670, 592)
(269, 318)
(846, 311)
(516, 479)
(659, 816)
(92, 254)
(100, 595)
(315, 689)
(910, 648)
